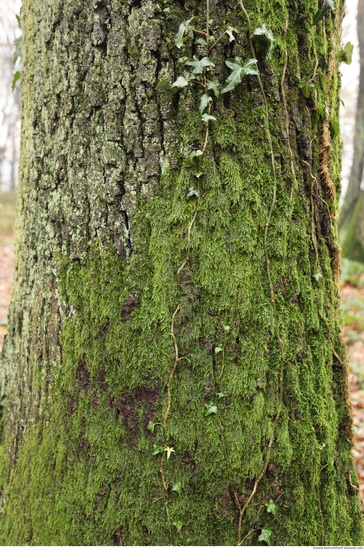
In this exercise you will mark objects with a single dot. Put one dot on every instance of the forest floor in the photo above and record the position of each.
(352, 293)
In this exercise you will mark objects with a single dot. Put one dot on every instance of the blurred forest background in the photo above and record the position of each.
(352, 289)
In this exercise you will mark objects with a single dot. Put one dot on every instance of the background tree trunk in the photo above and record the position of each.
(173, 363)
(352, 211)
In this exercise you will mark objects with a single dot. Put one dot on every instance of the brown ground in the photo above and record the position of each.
(352, 303)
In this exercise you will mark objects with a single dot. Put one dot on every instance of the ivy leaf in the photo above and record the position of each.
(226, 328)
(180, 82)
(177, 487)
(198, 65)
(192, 192)
(178, 525)
(346, 54)
(320, 14)
(205, 100)
(205, 118)
(217, 349)
(169, 451)
(151, 426)
(306, 88)
(238, 71)
(213, 85)
(198, 175)
(181, 31)
(221, 395)
(264, 31)
(271, 507)
(157, 449)
(194, 154)
(230, 31)
(16, 77)
(265, 535)
(210, 408)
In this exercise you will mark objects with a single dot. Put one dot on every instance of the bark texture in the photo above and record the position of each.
(174, 364)
(352, 211)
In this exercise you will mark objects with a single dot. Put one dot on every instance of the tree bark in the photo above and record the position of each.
(352, 211)
(173, 371)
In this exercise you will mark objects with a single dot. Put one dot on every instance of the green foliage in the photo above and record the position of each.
(345, 55)
(265, 535)
(204, 102)
(16, 77)
(211, 408)
(177, 487)
(271, 507)
(181, 32)
(238, 71)
(229, 32)
(320, 14)
(181, 82)
(192, 191)
(267, 33)
(306, 88)
(199, 65)
(169, 450)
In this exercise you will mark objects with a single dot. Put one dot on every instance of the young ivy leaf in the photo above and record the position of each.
(210, 409)
(213, 85)
(181, 31)
(271, 507)
(306, 88)
(198, 65)
(230, 31)
(265, 535)
(320, 14)
(217, 349)
(205, 100)
(238, 72)
(16, 77)
(180, 82)
(169, 451)
(192, 192)
(177, 487)
(205, 118)
(194, 154)
(263, 31)
(151, 426)
(221, 394)
(346, 54)
(178, 525)
(157, 449)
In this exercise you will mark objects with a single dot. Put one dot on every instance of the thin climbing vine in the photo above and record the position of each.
(199, 71)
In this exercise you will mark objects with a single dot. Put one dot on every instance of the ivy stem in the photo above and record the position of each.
(216, 42)
(207, 21)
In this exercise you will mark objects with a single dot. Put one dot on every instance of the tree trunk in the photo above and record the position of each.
(352, 211)
(173, 371)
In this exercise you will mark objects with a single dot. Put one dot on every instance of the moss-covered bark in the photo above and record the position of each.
(146, 324)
